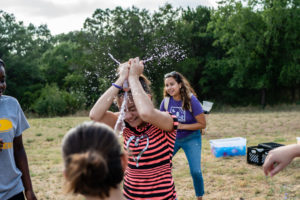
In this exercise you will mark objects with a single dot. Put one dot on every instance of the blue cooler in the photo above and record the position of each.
(228, 147)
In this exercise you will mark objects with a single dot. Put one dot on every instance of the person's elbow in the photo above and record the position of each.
(202, 121)
(93, 116)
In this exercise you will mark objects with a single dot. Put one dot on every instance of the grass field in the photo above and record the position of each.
(224, 178)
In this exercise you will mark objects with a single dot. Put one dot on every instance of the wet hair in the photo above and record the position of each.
(185, 91)
(2, 64)
(145, 84)
(92, 158)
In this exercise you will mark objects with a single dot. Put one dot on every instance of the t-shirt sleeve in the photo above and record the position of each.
(22, 124)
(196, 106)
(162, 106)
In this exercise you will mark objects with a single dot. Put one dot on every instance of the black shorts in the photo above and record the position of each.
(19, 196)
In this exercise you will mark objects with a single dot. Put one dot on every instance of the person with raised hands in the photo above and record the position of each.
(149, 135)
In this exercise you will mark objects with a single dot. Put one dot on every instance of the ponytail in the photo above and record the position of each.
(85, 173)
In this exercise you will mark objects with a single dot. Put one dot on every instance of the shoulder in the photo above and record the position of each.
(163, 100)
(196, 105)
(194, 99)
(9, 99)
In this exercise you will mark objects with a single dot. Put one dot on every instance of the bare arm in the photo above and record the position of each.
(143, 101)
(100, 112)
(200, 124)
(22, 164)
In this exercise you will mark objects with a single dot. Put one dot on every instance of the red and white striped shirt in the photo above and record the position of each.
(148, 175)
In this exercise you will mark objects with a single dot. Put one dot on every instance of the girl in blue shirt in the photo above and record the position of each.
(14, 172)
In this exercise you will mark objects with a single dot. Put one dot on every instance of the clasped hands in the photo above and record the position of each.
(134, 67)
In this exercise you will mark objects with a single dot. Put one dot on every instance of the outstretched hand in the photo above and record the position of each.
(279, 158)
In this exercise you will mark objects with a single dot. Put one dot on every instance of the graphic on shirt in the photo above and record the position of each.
(7, 145)
(5, 125)
(136, 144)
(180, 114)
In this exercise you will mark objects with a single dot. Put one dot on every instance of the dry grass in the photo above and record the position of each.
(224, 178)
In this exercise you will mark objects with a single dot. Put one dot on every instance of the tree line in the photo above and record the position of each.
(242, 53)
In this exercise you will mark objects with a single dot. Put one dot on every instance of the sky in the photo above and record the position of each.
(63, 16)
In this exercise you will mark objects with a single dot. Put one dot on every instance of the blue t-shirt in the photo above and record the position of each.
(183, 116)
(12, 123)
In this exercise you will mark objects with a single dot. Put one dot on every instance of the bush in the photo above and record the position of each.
(55, 102)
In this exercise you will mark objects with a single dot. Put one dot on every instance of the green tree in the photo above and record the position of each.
(126, 34)
(57, 62)
(253, 37)
(21, 48)
(199, 66)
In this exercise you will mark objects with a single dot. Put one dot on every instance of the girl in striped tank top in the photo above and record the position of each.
(149, 135)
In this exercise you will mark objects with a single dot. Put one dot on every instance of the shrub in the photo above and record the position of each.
(56, 102)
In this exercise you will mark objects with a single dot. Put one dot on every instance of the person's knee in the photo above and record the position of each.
(196, 173)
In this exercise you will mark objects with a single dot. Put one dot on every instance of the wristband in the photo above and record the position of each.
(117, 86)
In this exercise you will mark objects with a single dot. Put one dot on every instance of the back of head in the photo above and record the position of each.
(92, 158)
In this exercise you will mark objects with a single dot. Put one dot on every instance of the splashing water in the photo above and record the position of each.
(114, 59)
(160, 51)
(163, 54)
(169, 50)
(120, 124)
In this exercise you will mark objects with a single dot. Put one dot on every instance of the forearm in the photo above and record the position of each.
(142, 100)
(194, 126)
(294, 150)
(22, 165)
(200, 124)
(104, 102)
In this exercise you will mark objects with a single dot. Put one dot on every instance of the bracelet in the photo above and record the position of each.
(117, 86)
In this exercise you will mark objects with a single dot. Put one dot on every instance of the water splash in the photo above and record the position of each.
(169, 50)
(120, 124)
(114, 59)
(161, 51)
